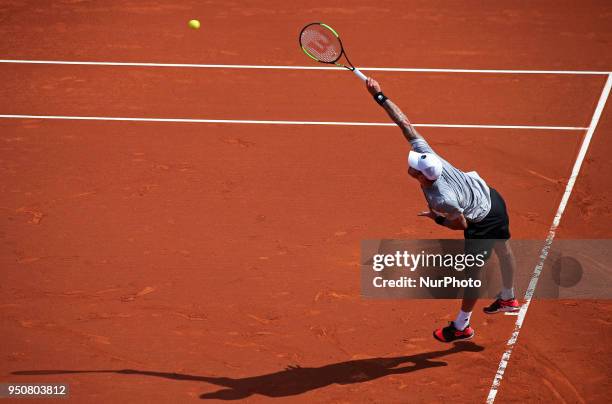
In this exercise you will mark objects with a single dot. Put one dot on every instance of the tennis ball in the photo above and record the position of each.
(194, 24)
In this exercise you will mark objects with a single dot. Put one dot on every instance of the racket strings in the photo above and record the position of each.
(321, 43)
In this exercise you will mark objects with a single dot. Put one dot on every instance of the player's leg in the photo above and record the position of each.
(507, 264)
(500, 230)
(506, 301)
(460, 329)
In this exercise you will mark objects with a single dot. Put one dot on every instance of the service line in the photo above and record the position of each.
(260, 122)
(272, 67)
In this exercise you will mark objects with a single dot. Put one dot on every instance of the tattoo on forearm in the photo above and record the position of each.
(401, 120)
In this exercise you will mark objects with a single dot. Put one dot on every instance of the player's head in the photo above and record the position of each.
(425, 167)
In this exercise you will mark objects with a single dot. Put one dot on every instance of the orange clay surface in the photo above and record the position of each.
(169, 262)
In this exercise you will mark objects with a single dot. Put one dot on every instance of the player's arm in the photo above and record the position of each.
(454, 222)
(392, 110)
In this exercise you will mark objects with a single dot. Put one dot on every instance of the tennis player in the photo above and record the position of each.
(458, 201)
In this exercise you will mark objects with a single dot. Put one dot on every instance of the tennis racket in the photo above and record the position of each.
(322, 43)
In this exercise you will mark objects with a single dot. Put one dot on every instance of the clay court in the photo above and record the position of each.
(181, 219)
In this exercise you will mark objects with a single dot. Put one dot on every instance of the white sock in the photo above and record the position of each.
(507, 294)
(463, 319)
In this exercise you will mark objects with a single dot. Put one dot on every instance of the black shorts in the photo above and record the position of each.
(496, 225)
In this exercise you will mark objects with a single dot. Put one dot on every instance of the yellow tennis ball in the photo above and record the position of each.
(194, 24)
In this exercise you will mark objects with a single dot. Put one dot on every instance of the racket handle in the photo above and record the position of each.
(359, 74)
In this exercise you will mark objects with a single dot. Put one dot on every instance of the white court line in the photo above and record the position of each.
(503, 364)
(265, 67)
(242, 121)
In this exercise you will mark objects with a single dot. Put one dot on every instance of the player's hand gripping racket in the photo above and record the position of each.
(320, 42)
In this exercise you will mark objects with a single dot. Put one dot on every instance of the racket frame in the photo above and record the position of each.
(335, 61)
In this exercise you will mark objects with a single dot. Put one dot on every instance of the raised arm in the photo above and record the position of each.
(392, 110)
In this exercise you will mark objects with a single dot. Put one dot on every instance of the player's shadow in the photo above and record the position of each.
(296, 380)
